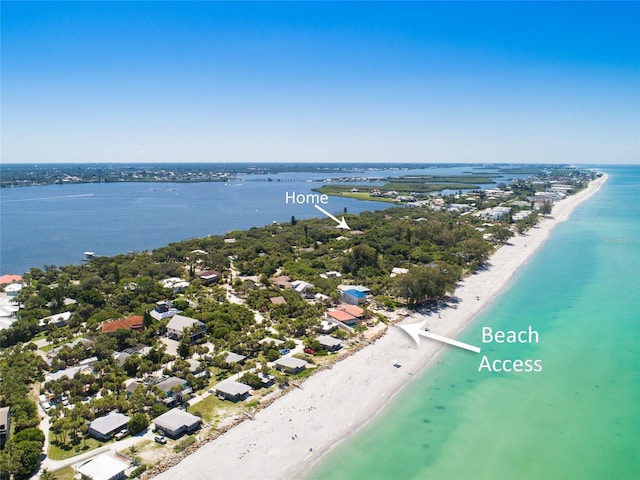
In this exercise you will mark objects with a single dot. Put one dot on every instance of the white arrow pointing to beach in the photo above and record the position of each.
(415, 330)
(341, 223)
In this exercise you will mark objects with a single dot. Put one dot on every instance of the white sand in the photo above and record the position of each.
(334, 403)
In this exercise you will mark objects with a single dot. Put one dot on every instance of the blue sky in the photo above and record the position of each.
(320, 82)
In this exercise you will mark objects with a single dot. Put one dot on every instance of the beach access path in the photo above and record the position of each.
(287, 439)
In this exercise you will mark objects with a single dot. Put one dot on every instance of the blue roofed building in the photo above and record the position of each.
(353, 296)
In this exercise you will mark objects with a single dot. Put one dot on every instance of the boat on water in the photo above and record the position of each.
(89, 255)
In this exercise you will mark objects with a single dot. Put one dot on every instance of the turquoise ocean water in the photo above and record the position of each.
(579, 418)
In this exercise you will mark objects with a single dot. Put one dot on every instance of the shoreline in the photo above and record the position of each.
(294, 434)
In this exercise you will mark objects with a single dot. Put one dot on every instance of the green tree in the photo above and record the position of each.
(184, 348)
(138, 422)
(546, 208)
(426, 283)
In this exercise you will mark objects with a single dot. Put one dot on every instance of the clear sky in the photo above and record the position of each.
(321, 82)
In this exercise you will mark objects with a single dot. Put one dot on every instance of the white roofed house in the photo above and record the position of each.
(8, 309)
(329, 343)
(231, 357)
(103, 427)
(177, 422)
(180, 324)
(13, 289)
(303, 288)
(58, 320)
(232, 390)
(177, 284)
(102, 467)
(290, 364)
(326, 327)
(163, 310)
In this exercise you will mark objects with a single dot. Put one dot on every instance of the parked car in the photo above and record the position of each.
(160, 439)
(284, 351)
(310, 351)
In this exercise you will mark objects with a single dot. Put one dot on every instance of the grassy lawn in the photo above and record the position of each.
(67, 473)
(209, 407)
(39, 336)
(57, 452)
(307, 372)
(46, 348)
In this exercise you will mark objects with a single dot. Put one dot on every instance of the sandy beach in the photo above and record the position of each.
(287, 439)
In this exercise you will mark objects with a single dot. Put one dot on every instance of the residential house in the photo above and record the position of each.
(266, 379)
(276, 342)
(326, 327)
(175, 390)
(342, 317)
(346, 314)
(303, 288)
(163, 310)
(283, 282)
(13, 289)
(290, 364)
(322, 298)
(65, 373)
(103, 467)
(5, 425)
(331, 274)
(134, 322)
(395, 271)
(278, 300)
(104, 427)
(353, 294)
(495, 213)
(231, 357)
(209, 276)
(179, 324)
(329, 343)
(8, 309)
(58, 320)
(7, 279)
(178, 285)
(132, 387)
(232, 390)
(87, 363)
(352, 310)
(173, 386)
(177, 422)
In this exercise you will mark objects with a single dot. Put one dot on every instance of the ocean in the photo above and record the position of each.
(578, 418)
(56, 224)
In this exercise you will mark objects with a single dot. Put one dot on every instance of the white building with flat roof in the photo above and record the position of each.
(102, 467)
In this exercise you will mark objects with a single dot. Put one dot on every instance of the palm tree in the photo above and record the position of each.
(47, 475)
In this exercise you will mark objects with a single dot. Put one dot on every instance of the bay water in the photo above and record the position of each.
(56, 224)
(579, 418)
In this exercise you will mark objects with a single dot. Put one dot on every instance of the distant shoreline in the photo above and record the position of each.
(292, 436)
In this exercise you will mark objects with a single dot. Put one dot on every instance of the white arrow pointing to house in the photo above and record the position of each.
(341, 223)
(415, 331)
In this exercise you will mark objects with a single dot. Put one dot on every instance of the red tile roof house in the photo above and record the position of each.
(7, 279)
(130, 323)
(347, 314)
